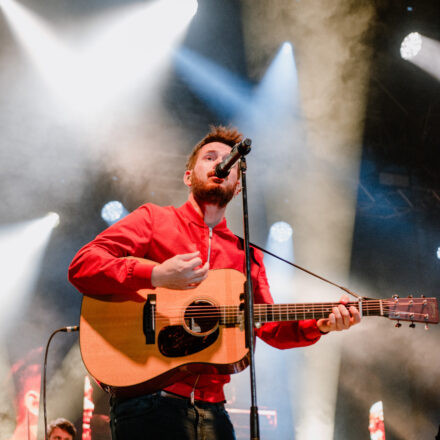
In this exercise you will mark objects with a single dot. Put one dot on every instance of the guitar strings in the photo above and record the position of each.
(275, 309)
(214, 312)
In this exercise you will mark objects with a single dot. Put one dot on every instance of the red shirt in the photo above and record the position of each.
(159, 233)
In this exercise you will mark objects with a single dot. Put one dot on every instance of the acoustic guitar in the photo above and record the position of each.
(145, 342)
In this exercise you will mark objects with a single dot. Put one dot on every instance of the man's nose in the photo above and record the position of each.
(216, 162)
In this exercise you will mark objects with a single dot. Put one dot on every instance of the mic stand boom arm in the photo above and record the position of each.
(249, 307)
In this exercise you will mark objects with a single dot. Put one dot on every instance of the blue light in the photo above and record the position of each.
(225, 92)
(113, 211)
(280, 231)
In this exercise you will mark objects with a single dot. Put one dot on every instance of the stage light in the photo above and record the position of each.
(113, 211)
(287, 48)
(277, 93)
(376, 425)
(223, 91)
(438, 252)
(281, 231)
(127, 48)
(24, 242)
(53, 219)
(279, 242)
(422, 51)
(411, 45)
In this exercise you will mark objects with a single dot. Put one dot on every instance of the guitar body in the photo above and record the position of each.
(143, 342)
(146, 342)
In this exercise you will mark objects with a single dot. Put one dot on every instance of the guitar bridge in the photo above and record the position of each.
(149, 321)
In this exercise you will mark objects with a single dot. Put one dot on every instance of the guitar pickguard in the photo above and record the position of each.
(175, 341)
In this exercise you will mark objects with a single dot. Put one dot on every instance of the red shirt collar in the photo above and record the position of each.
(189, 212)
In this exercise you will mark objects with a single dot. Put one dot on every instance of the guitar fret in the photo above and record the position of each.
(293, 312)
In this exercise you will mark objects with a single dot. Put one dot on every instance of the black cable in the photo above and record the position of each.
(69, 329)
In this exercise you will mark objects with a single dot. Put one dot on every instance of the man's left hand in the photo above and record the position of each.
(341, 318)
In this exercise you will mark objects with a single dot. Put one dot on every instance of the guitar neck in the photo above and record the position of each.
(406, 309)
(293, 312)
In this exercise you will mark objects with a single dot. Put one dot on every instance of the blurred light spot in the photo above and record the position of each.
(438, 252)
(287, 48)
(280, 231)
(113, 211)
(411, 45)
(422, 51)
(376, 425)
(53, 219)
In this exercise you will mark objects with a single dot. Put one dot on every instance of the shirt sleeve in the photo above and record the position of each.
(101, 266)
(288, 334)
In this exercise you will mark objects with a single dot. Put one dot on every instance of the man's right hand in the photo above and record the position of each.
(180, 272)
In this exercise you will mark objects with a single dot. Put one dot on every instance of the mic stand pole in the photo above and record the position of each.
(249, 308)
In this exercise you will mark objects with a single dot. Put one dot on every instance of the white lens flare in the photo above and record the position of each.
(411, 45)
(113, 211)
(281, 231)
(53, 219)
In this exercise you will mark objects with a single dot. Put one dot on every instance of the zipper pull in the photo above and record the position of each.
(209, 245)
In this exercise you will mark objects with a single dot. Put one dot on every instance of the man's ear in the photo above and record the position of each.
(237, 190)
(187, 178)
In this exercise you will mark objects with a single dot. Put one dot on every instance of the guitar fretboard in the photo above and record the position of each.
(263, 313)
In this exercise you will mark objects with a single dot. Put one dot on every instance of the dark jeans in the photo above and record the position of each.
(167, 418)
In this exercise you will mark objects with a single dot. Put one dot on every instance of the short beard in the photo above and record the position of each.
(209, 194)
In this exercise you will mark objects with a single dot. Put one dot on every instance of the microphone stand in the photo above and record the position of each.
(249, 306)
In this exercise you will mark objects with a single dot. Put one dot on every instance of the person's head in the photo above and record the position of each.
(61, 429)
(26, 374)
(199, 175)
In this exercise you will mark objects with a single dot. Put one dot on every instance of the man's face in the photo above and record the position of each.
(205, 186)
(60, 434)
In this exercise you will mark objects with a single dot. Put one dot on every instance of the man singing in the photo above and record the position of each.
(186, 242)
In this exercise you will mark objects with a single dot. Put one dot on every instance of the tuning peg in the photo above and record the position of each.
(412, 325)
(395, 296)
(397, 324)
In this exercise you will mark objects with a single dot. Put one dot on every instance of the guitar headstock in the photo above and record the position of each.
(424, 310)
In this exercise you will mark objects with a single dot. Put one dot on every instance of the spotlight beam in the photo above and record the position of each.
(422, 51)
(24, 243)
(122, 53)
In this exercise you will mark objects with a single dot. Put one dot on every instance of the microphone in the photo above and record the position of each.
(241, 149)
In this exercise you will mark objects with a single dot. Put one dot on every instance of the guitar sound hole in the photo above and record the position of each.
(201, 317)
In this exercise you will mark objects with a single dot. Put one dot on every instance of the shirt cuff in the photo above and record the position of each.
(310, 330)
(141, 275)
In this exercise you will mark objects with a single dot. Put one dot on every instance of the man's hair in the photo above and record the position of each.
(63, 424)
(218, 133)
